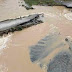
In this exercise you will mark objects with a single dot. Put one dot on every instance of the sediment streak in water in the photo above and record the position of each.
(51, 52)
(3, 42)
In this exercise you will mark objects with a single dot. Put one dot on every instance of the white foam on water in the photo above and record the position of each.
(68, 16)
(50, 14)
(3, 42)
(53, 29)
(3, 68)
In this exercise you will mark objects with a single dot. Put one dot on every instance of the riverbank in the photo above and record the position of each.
(67, 3)
(28, 4)
(45, 2)
(41, 2)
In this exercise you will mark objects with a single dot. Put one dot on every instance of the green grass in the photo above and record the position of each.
(42, 2)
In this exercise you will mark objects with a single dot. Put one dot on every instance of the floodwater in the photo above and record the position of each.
(14, 48)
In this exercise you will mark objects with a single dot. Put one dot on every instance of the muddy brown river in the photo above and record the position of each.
(14, 48)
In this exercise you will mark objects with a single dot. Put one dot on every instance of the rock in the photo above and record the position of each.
(67, 4)
(64, 3)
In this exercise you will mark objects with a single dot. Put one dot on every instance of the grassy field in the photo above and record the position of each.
(43, 2)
